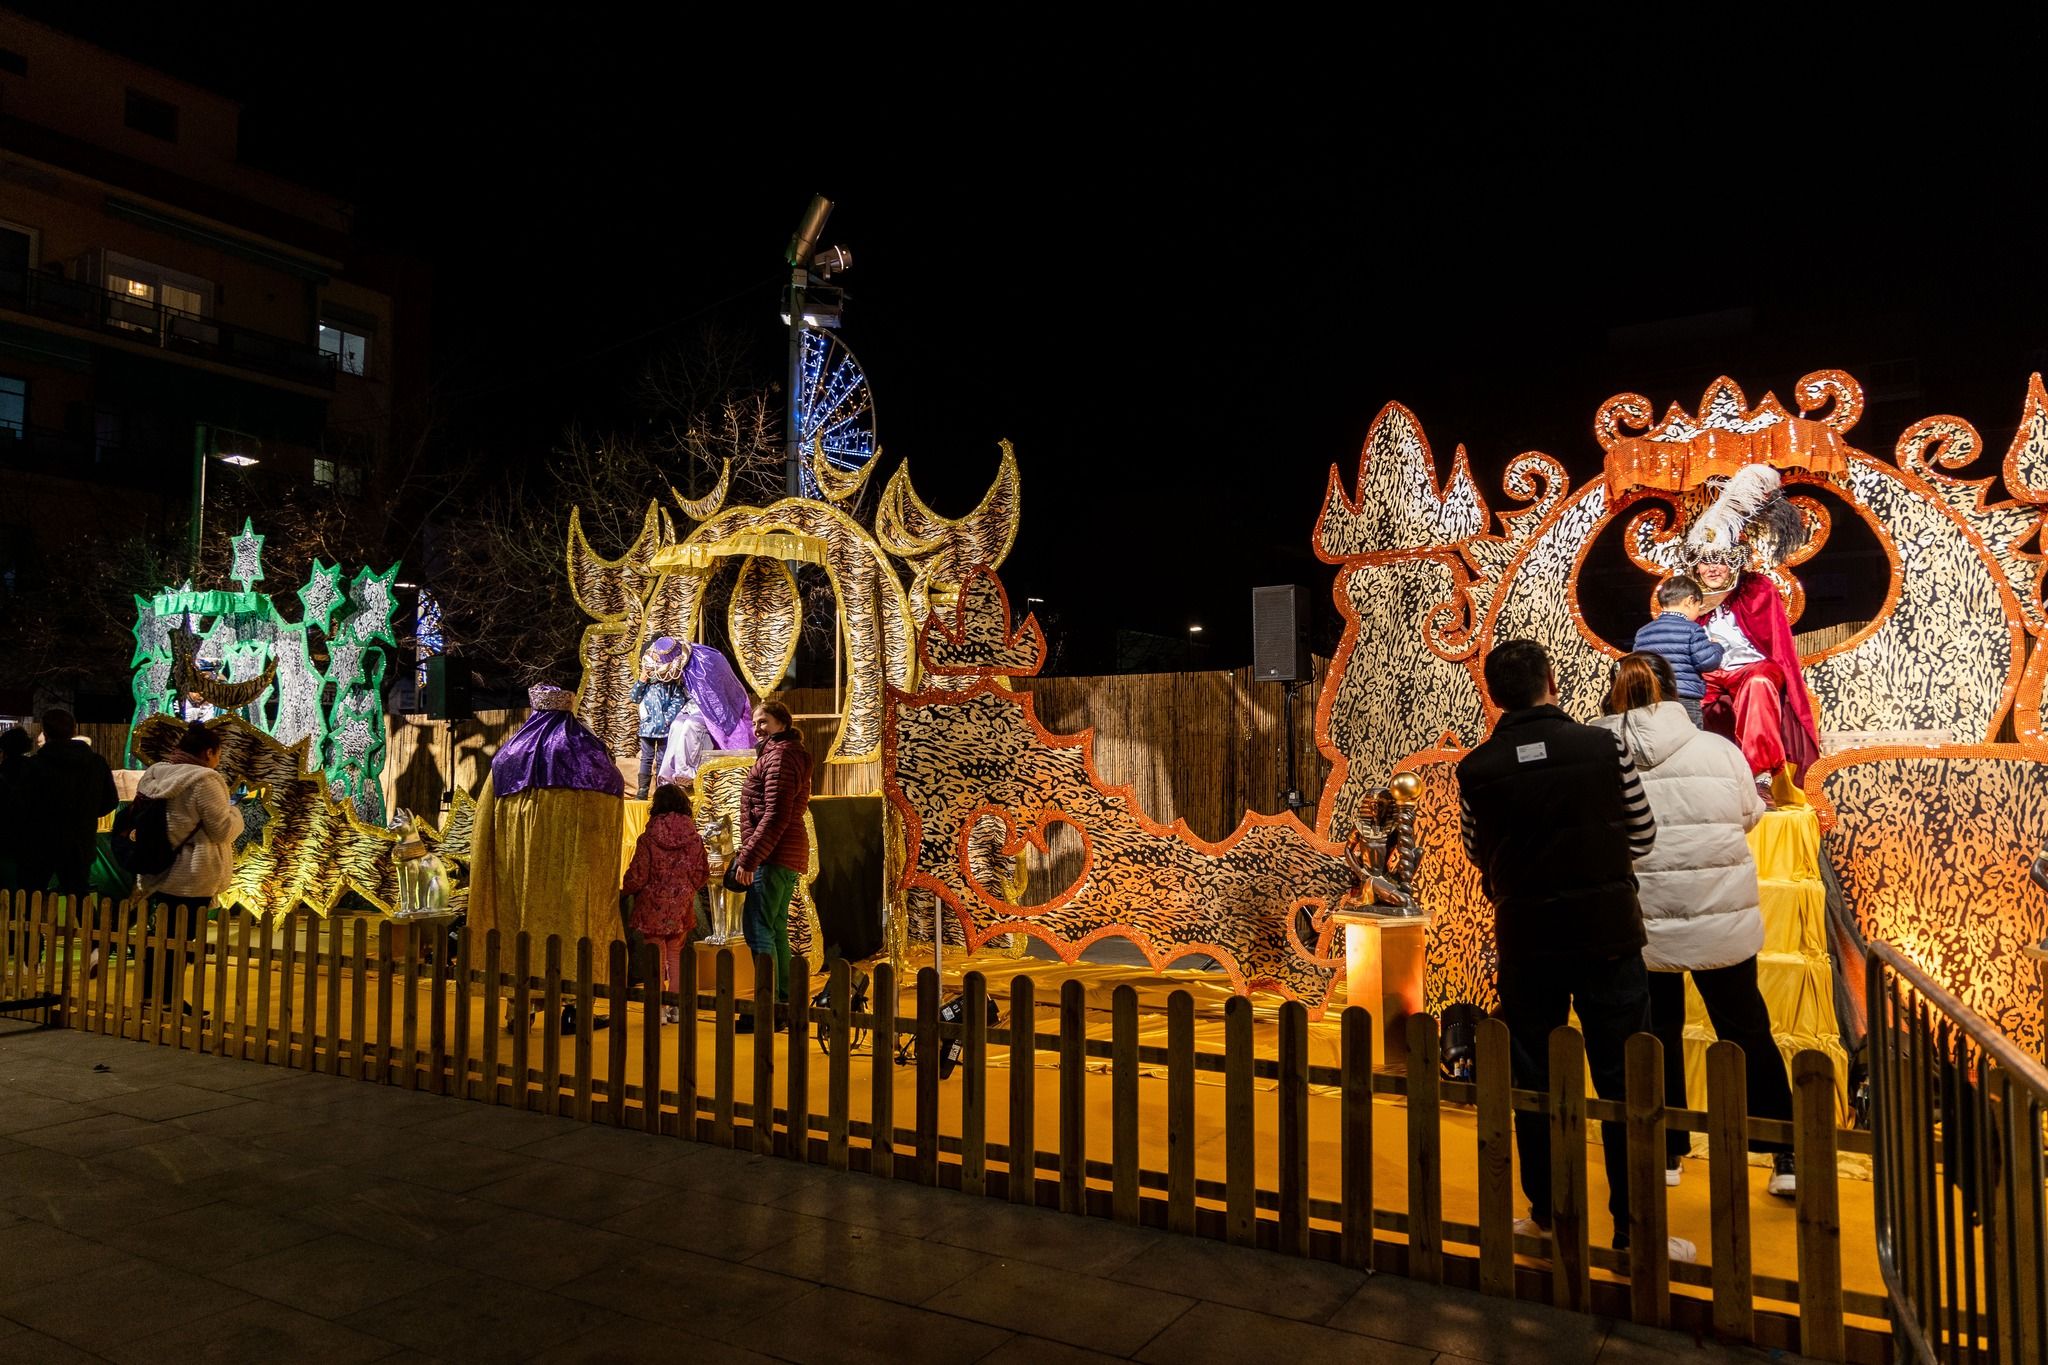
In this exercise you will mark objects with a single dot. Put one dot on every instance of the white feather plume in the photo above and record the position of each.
(1718, 530)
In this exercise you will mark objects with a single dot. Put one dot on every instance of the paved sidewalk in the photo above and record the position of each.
(157, 1206)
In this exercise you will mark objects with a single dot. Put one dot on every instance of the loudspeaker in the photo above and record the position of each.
(1280, 634)
(447, 696)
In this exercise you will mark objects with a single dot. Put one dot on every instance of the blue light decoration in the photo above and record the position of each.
(835, 407)
(428, 638)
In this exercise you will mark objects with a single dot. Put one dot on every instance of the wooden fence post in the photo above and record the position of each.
(1728, 1191)
(1818, 1207)
(551, 1025)
(764, 1054)
(1180, 1113)
(721, 1052)
(798, 1109)
(586, 1032)
(1022, 1185)
(492, 1008)
(618, 986)
(1425, 1151)
(1649, 1257)
(1493, 1068)
(1240, 1213)
(358, 987)
(686, 1043)
(309, 1059)
(839, 1066)
(522, 1016)
(1354, 1128)
(974, 1085)
(263, 941)
(287, 986)
(387, 1000)
(437, 1007)
(1571, 1269)
(1123, 1104)
(1073, 1097)
(199, 1014)
(334, 980)
(652, 1022)
(927, 1034)
(882, 1113)
(465, 964)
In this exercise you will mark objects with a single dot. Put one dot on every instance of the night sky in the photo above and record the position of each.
(1181, 287)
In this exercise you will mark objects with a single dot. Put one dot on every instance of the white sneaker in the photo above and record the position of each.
(1784, 1182)
(1682, 1250)
(1529, 1227)
(1671, 1176)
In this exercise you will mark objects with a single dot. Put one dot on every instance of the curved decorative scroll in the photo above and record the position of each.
(834, 484)
(943, 551)
(706, 507)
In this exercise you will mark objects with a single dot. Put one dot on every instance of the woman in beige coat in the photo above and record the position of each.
(202, 823)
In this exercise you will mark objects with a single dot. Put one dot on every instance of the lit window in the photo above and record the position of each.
(323, 472)
(13, 405)
(349, 349)
(134, 289)
(187, 301)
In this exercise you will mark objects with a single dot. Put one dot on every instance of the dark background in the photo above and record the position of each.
(1181, 281)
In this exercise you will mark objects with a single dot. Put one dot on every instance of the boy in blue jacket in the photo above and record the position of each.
(1678, 636)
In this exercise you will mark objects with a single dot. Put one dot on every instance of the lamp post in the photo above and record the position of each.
(204, 442)
(802, 246)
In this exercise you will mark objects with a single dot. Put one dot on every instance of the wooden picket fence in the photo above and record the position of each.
(388, 1003)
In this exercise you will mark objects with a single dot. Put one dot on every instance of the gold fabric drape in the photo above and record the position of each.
(546, 861)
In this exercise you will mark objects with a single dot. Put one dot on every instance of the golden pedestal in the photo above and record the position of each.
(1383, 972)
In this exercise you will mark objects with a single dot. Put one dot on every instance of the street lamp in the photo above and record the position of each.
(205, 443)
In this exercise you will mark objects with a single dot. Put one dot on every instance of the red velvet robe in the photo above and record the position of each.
(1761, 614)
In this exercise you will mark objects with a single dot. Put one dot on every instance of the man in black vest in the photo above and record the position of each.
(1554, 819)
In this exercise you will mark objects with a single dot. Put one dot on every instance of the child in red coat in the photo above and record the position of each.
(667, 872)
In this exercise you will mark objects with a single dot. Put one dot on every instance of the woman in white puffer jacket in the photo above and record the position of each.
(1698, 890)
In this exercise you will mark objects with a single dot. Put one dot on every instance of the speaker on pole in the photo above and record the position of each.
(447, 688)
(1280, 634)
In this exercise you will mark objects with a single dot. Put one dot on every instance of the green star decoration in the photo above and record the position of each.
(321, 595)
(375, 604)
(248, 569)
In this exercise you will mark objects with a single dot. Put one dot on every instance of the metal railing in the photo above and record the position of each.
(1956, 1113)
(149, 323)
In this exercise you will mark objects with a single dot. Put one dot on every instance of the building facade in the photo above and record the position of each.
(172, 318)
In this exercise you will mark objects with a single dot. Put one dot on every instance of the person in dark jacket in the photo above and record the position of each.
(1554, 818)
(15, 746)
(773, 848)
(71, 788)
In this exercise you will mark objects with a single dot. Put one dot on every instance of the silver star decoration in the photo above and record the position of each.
(248, 569)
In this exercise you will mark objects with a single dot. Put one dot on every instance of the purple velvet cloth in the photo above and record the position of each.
(554, 749)
(721, 698)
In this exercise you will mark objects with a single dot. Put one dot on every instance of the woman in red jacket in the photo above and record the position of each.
(667, 872)
(773, 848)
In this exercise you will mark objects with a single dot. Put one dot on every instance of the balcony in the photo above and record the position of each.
(142, 323)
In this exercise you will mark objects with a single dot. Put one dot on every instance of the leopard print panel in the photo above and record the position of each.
(1932, 848)
(1460, 960)
(715, 805)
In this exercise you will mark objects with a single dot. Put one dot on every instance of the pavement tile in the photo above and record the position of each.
(870, 1261)
(179, 1157)
(1219, 1333)
(710, 1225)
(1475, 1326)
(385, 1106)
(452, 1166)
(489, 1125)
(629, 1341)
(79, 1084)
(1029, 1350)
(1078, 1309)
(604, 1148)
(534, 1249)
(212, 1235)
(76, 1195)
(471, 1317)
(117, 1303)
(1628, 1344)
(168, 1101)
(247, 1120)
(891, 1205)
(33, 1348)
(24, 1110)
(33, 1253)
(1090, 1246)
(1289, 1286)
(282, 1184)
(746, 1176)
(833, 1327)
(582, 1196)
(332, 1276)
(257, 1333)
(703, 1296)
(90, 1136)
(343, 1141)
(395, 1214)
